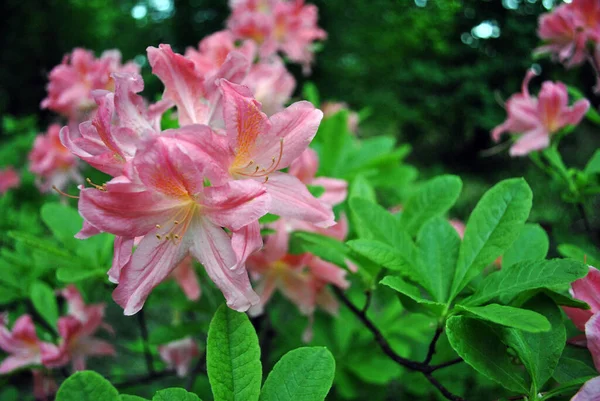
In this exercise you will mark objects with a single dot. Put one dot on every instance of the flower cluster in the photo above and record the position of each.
(198, 189)
(9, 178)
(534, 120)
(568, 30)
(76, 342)
(289, 26)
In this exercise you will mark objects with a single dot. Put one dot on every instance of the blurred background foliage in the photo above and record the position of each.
(433, 73)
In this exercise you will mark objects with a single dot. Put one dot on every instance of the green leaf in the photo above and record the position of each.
(268, 218)
(540, 352)
(175, 394)
(87, 386)
(334, 139)
(577, 253)
(63, 221)
(533, 243)
(438, 244)
(508, 316)
(316, 190)
(361, 188)
(527, 275)
(326, 248)
(378, 223)
(233, 357)
(481, 347)
(569, 387)
(434, 198)
(44, 302)
(574, 363)
(493, 226)
(125, 397)
(411, 298)
(310, 92)
(304, 374)
(593, 165)
(75, 274)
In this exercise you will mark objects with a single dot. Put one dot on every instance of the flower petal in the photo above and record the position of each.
(592, 333)
(590, 391)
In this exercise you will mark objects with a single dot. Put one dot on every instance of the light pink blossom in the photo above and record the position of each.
(109, 141)
(51, 162)
(278, 25)
(9, 178)
(535, 120)
(22, 345)
(178, 355)
(167, 203)
(271, 83)
(332, 108)
(302, 279)
(44, 386)
(72, 82)
(568, 29)
(186, 278)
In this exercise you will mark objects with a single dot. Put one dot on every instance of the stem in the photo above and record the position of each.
(199, 367)
(431, 351)
(424, 368)
(433, 368)
(144, 331)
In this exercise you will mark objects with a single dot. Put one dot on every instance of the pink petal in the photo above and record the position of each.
(291, 199)
(87, 231)
(123, 249)
(186, 277)
(97, 347)
(305, 166)
(590, 391)
(277, 244)
(579, 317)
(151, 263)
(592, 333)
(328, 272)
(587, 289)
(14, 362)
(212, 247)
(335, 190)
(182, 84)
(246, 241)
(530, 141)
(265, 288)
(236, 204)
(575, 114)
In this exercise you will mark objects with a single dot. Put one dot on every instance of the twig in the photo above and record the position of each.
(368, 295)
(424, 368)
(431, 351)
(433, 368)
(199, 367)
(144, 331)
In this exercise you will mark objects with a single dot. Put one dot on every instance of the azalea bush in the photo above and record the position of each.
(240, 238)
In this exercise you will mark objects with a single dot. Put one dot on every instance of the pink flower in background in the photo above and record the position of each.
(568, 29)
(122, 122)
(459, 226)
(21, 344)
(51, 162)
(332, 108)
(186, 278)
(72, 82)
(213, 50)
(44, 386)
(303, 279)
(9, 178)
(535, 120)
(278, 25)
(178, 355)
(86, 314)
(197, 97)
(271, 83)
(166, 203)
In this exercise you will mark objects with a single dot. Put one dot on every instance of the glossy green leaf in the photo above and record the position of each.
(233, 357)
(175, 394)
(304, 374)
(411, 298)
(593, 165)
(527, 275)
(481, 347)
(434, 198)
(87, 386)
(44, 302)
(574, 363)
(493, 226)
(532, 243)
(125, 397)
(508, 316)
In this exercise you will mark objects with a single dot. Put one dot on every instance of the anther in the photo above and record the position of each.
(158, 236)
(158, 226)
(176, 222)
(176, 236)
(98, 187)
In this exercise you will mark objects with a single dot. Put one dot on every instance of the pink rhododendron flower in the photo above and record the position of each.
(590, 391)
(535, 120)
(179, 355)
(271, 83)
(44, 386)
(122, 122)
(9, 178)
(72, 82)
(303, 279)
(287, 26)
(51, 162)
(197, 97)
(459, 226)
(332, 108)
(568, 29)
(22, 345)
(587, 289)
(186, 277)
(86, 314)
(255, 147)
(213, 50)
(166, 203)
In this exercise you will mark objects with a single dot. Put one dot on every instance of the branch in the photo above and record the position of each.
(422, 367)
(431, 351)
(198, 368)
(144, 331)
(433, 368)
